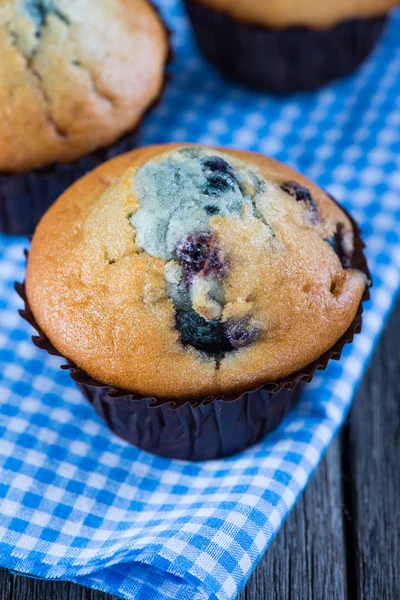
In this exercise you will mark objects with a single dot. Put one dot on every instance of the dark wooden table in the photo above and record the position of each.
(342, 540)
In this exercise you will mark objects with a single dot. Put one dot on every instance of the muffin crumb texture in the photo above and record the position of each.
(184, 271)
(74, 76)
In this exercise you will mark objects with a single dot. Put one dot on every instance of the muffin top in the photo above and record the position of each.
(288, 13)
(183, 271)
(74, 76)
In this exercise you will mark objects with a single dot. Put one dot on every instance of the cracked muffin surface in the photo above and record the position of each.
(74, 76)
(182, 271)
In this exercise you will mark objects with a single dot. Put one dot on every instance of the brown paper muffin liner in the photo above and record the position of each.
(207, 427)
(282, 61)
(25, 197)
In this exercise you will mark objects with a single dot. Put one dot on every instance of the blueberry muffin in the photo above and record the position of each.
(186, 273)
(286, 46)
(74, 77)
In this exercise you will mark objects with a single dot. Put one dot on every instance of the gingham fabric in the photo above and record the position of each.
(78, 503)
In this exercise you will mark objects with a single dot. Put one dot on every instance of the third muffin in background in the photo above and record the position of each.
(286, 46)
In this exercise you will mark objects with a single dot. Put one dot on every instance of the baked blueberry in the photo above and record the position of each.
(240, 333)
(39, 9)
(211, 209)
(301, 194)
(222, 176)
(207, 336)
(336, 241)
(200, 252)
(219, 182)
(216, 163)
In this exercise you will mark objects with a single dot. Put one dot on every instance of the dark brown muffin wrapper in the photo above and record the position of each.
(282, 61)
(206, 427)
(25, 197)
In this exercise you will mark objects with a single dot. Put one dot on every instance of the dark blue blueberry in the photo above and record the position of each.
(211, 209)
(200, 252)
(218, 183)
(221, 177)
(337, 245)
(301, 194)
(240, 333)
(39, 9)
(207, 336)
(213, 337)
(216, 163)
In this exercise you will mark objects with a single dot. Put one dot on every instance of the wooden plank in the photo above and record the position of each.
(372, 461)
(25, 588)
(307, 560)
(297, 565)
(5, 585)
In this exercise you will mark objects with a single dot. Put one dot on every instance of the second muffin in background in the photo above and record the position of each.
(190, 275)
(74, 77)
(287, 46)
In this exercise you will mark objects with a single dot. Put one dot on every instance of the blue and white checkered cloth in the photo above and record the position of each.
(78, 503)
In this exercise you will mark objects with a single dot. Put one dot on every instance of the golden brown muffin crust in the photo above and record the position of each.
(74, 76)
(103, 302)
(287, 13)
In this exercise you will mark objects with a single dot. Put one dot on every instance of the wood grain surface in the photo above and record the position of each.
(342, 540)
